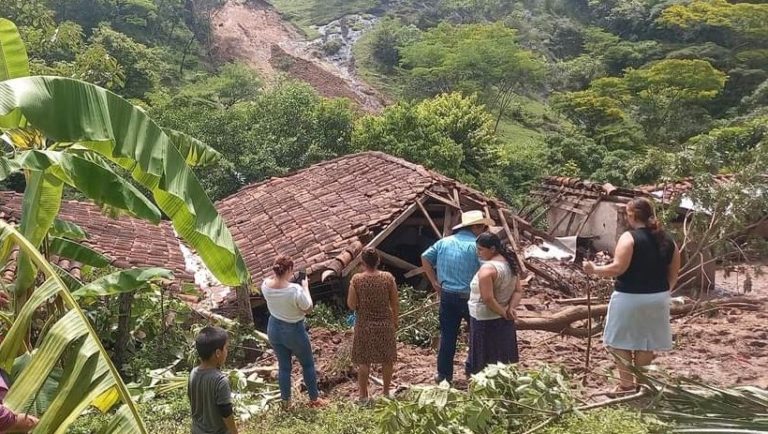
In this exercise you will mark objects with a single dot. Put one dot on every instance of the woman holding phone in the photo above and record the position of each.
(288, 305)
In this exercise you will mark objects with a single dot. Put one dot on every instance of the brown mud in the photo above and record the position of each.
(724, 347)
(255, 33)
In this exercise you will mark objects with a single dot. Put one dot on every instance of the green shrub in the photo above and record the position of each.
(494, 395)
(329, 317)
(331, 46)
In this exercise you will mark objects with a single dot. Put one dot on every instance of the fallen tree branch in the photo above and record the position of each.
(561, 322)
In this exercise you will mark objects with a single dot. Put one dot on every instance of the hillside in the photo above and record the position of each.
(620, 87)
(257, 35)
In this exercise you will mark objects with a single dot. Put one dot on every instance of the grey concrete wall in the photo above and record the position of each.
(606, 223)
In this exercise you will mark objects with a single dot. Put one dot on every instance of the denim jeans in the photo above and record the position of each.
(453, 308)
(289, 339)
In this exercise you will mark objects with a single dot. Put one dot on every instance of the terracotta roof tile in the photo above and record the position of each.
(555, 185)
(322, 215)
(673, 189)
(127, 241)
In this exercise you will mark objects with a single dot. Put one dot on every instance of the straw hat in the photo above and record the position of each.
(471, 218)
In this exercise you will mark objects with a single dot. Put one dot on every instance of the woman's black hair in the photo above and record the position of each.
(645, 213)
(490, 240)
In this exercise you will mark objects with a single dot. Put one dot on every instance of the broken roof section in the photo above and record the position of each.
(126, 241)
(324, 215)
(573, 197)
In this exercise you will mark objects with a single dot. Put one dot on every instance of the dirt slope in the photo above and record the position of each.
(256, 34)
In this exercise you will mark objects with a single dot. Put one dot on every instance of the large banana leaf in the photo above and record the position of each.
(42, 198)
(77, 252)
(99, 183)
(13, 63)
(13, 55)
(73, 111)
(122, 281)
(7, 167)
(66, 229)
(72, 343)
(195, 152)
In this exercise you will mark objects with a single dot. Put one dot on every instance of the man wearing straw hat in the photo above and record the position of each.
(455, 258)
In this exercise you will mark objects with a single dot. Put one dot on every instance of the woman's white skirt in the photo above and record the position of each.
(638, 322)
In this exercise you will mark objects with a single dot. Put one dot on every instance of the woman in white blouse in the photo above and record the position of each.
(288, 304)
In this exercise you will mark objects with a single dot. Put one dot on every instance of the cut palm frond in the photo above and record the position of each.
(697, 407)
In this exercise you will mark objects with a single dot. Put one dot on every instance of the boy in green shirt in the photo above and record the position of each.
(209, 393)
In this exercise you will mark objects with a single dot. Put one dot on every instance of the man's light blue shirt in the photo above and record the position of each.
(456, 260)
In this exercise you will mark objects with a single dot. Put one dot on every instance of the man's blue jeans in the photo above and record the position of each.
(453, 308)
(289, 339)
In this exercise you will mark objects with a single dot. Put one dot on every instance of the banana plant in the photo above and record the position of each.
(64, 132)
(88, 374)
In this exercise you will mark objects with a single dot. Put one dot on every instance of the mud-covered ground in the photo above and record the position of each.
(723, 347)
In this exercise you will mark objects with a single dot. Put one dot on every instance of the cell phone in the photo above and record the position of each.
(300, 276)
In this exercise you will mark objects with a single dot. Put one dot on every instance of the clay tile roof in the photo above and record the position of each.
(578, 186)
(322, 216)
(673, 189)
(127, 241)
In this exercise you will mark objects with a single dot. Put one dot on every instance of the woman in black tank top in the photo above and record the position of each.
(646, 265)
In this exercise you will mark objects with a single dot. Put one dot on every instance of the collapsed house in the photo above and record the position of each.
(595, 214)
(323, 216)
(574, 207)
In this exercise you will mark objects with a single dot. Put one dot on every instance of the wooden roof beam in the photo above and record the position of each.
(443, 200)
(429, 218)
(381, 236)
(397, 262)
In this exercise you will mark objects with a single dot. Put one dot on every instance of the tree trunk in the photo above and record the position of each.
(244, 313)
(125, 302)
(562, 321)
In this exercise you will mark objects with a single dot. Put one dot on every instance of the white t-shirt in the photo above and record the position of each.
(503, 287)
(287, 304)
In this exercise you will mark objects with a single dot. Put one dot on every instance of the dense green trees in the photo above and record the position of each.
(261, 132)
(477, 58)
(602, 89)
(449, 133)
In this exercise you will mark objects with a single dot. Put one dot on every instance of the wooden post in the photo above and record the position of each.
(448, 221)
(429, 219)
(456, 197)
(515, 248)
